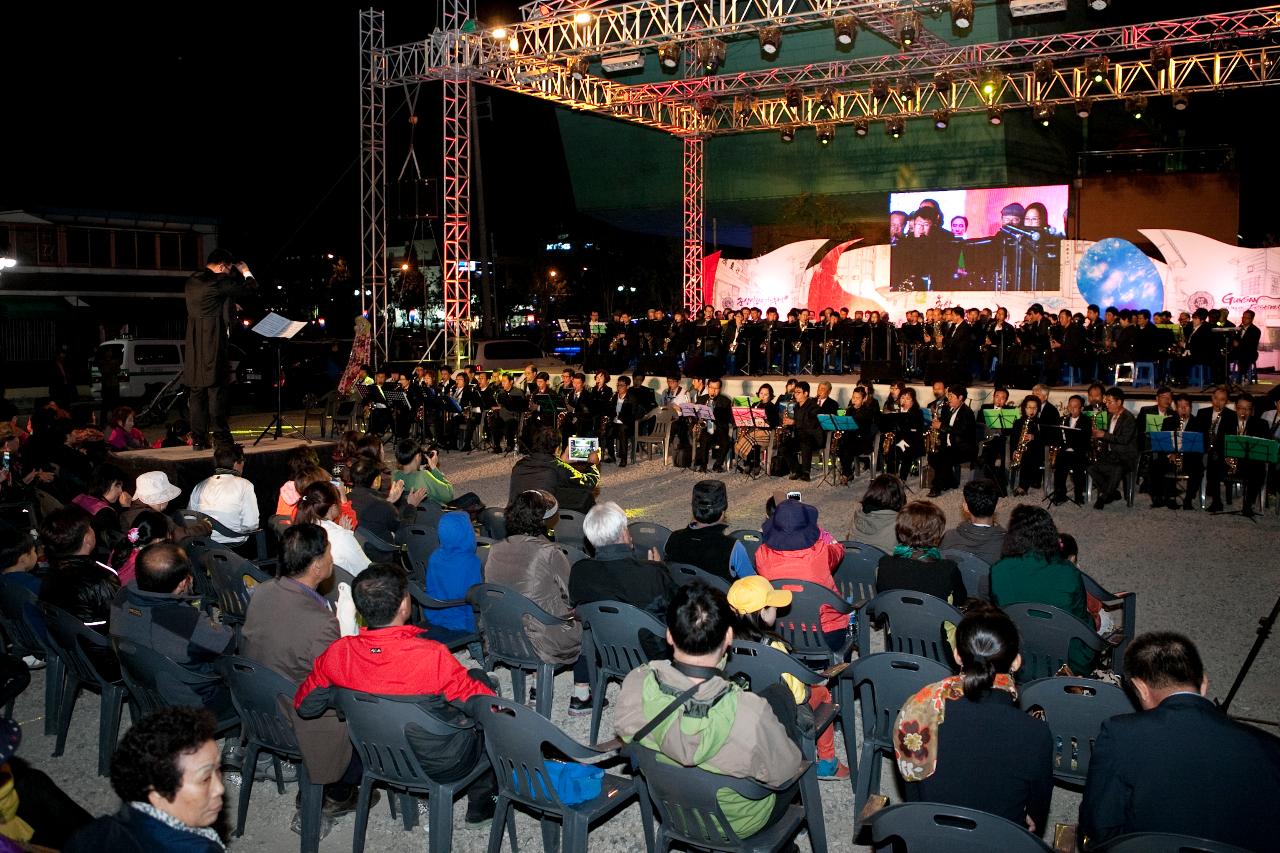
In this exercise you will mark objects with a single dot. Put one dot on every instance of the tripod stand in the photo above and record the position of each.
(277, 420)
(278, 329)
(1265, 625)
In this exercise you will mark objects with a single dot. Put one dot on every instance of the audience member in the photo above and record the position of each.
(157, 611)
(34, 809)
(1032, 569)
(574, 488)
(916, 563)
(1179, 765)
(452, 569)
(379, 515)
(321, 504)
(287, 626)
(617, 573)
(302, 462)
(76, 582)
(390, 657)
(103, 501)
(167, 775)
(705, 543)
(18, 560)
(978, 534)
(227, 497)
(148, 527)
(963, 741)
(732, 732)
(527, 562)
(875, 519)
(794, 547)
(152, 492)
(420, 468)
(122, 434)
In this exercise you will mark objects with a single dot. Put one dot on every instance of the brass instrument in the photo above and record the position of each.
(1020, 449)
(937, 334)
(560, 416)
(617, 342)
(886, 443)
(1053, 451)
(933, 438)
(1231, 464)
(733, 342)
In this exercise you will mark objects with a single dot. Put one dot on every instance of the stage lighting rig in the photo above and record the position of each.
(1083, 106)
(895, 127)
(705, 104)
(1044, 114)
(826, 132)
(941, 118)
(795, 99)
(1136, 105)
(908, 29)
(846, 29)
(582, 18)
(909, 91)
(880, 89)
(669, 56)
(827, 98)
(1097, 68)
(943, 80)
(860, 126)
(578, 67)
(1099, 5)
(995, 115)
(1043, 70)
(1161, 54)
(1180, 101)
(788, 133)
(711, 53)
(962, 14)
(770, 41)
(743, 107)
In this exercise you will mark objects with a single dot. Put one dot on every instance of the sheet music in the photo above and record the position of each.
(275, 326)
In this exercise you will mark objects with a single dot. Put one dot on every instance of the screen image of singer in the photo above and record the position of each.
(1003, 239)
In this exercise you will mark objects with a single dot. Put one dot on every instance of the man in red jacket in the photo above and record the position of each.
(392, 658)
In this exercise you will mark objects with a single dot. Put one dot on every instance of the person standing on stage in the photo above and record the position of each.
(211, 297)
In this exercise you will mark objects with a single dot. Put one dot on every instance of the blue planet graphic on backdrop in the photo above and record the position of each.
(1116, 272)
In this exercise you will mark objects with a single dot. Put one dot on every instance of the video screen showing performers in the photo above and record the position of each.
(985, 239)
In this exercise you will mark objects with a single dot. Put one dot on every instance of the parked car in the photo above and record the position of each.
(146, 365)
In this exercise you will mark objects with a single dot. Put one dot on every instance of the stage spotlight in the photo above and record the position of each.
(744, 106)
(579, 67)
(909, 91)
(908, 29)
(1099, 5)
(1161, 54)
(795, 100)
(788, 133)
(941, 118)
(880, 89)
(962, 14)
(1180, 102)
(669, 56)
(846, 30)
(826, 132)
(995, 115)
(705, 104)
(770, 41)
(943, 80)
(498, 33)
(860, 127)
(1044, 114)
(513, 43)
(1097, 69)
(711, 55)
(895, 127)
(582, 18)
(1043, 70)
(1083, 106)
(827, 98)
(1136, 105)
(989, 83)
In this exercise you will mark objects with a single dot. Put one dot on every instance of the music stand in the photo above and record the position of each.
(1232, 388)
(1100, 419)
(278, 329)
(745, 417)
(842, 423)
(999, 419)
(1248, 448)
(1155, 423)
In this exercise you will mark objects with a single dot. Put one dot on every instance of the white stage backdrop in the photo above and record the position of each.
(1197, 272)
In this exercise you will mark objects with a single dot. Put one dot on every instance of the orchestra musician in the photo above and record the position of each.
(620, 429)
(714, 436)
(1116, 449)
(751, 441)
(577, 405)
(804, 434)
(956, 427)
(908, 435)
(1072, 452)
(994, 447)
(1179, 422)
(1026, 447)
(860, 442)
(1216, 422)
(460, 428)
(509, 403)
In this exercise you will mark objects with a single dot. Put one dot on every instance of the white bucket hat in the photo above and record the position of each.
(154, 488)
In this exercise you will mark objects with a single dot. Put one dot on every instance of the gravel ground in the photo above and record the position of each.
(1210, 577)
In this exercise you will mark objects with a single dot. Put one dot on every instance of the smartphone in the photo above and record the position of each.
(6, 460)
(581, 447)
(793, 496)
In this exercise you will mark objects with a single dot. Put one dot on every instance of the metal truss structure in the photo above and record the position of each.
(374, 295)
(548, 55)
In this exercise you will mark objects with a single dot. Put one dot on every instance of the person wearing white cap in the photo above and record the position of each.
(153, 491)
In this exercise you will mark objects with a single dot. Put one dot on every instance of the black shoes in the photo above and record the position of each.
(582, 707)
(480, 810)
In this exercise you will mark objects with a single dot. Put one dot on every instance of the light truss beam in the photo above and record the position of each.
(694, 175)
(374, 297)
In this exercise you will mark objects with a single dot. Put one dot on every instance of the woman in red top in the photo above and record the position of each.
(793, 547)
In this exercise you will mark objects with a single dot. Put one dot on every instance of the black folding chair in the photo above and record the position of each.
(615, 632)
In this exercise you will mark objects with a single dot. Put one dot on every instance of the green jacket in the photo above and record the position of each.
(1033, 580)
(439, 489)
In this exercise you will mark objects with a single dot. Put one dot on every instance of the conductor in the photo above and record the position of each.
(211, 296)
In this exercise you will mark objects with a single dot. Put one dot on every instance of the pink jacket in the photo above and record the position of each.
(815, 564)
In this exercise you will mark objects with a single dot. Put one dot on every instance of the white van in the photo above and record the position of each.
(146, 365)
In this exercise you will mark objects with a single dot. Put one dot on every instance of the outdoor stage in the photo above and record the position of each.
(266, 463)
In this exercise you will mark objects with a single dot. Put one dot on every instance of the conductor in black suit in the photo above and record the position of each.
(958, 432)
(1180, 765)
(1119, 451)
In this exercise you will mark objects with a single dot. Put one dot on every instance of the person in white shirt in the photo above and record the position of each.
(227, 497)
(321, 503)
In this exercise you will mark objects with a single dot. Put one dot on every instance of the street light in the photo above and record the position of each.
(8, 263)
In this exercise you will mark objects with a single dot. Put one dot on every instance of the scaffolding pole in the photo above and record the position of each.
(456, 255)
(693, 230)
(374, 297)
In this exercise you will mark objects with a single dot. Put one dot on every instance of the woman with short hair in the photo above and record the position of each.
(876, 515)
(916, 563)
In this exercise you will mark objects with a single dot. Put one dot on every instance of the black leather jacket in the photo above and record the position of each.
(84, 589)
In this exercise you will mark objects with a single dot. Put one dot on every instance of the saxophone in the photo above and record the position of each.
(886, 443)
(1023, 440)
(933, 438)
(937, 334)
(1053, 451)
(1231, 464)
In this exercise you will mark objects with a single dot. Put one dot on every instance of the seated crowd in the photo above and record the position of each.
(339, 614)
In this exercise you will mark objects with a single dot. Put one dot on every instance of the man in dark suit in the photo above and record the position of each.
(1073, 452)
(806, 433)
(1119, 453)
(1179, 423)
(1163, 406)
(1244, 349)
(621, 425)
(957, 429)
(1250, 474)
(1180, 765)
(714, 438)
(1215, 422)
(1203, 345)
(646, 397)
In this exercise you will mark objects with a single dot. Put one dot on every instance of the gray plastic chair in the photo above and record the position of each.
(1075, 709)
(974, 571)
(257, 536)
(569, 529)
(914, 624)
(227, 572)
(1129, 619)
(256, 692)
(800, 625)
(659, 437)
(515, 738)
(761, 665)
(683, 573)
(932, 826)
(1047, 634)
(881, 683)
(1163, 842)
(689, 812)
(615, 631)
(198, 549)
(493, 521)
(856, 575)
(379, 550)
(25, 630)
(450, 639)
(378, 725)
(571, 553)
(500, 613)
(73, 640)
(646, 535)
(750, 540)
(420, 540)
(154, 682)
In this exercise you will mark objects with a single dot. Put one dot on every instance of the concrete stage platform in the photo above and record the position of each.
(266, 463)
